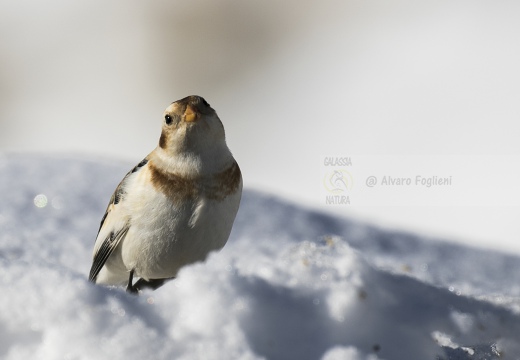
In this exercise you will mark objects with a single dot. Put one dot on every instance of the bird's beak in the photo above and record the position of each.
(190, 115)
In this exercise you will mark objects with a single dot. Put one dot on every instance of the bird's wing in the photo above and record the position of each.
(107, 247)
(113, 227)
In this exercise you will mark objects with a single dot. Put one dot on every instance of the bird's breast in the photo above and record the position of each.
(188, 188)
(176, 221)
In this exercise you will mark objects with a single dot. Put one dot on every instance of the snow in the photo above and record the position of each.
(292, 283)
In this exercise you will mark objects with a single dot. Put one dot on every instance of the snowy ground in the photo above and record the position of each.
(292, 283)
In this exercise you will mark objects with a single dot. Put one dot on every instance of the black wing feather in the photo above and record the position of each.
(111, 242)
(107, 248)
(120, 190)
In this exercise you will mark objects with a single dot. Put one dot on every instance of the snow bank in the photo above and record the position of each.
(290, 284)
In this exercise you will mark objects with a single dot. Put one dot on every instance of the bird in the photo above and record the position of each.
(174, 207)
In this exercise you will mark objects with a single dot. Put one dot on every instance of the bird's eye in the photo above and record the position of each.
(167, 119)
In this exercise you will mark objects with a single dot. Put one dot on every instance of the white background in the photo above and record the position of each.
(291, 82)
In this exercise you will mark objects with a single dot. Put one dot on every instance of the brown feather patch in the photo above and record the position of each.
(162, 140)
(224, 183)
(179, 189)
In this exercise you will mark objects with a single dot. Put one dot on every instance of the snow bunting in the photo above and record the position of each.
(172, 208)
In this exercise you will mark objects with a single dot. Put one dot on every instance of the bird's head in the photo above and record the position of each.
(192, 129)
(190, 124)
